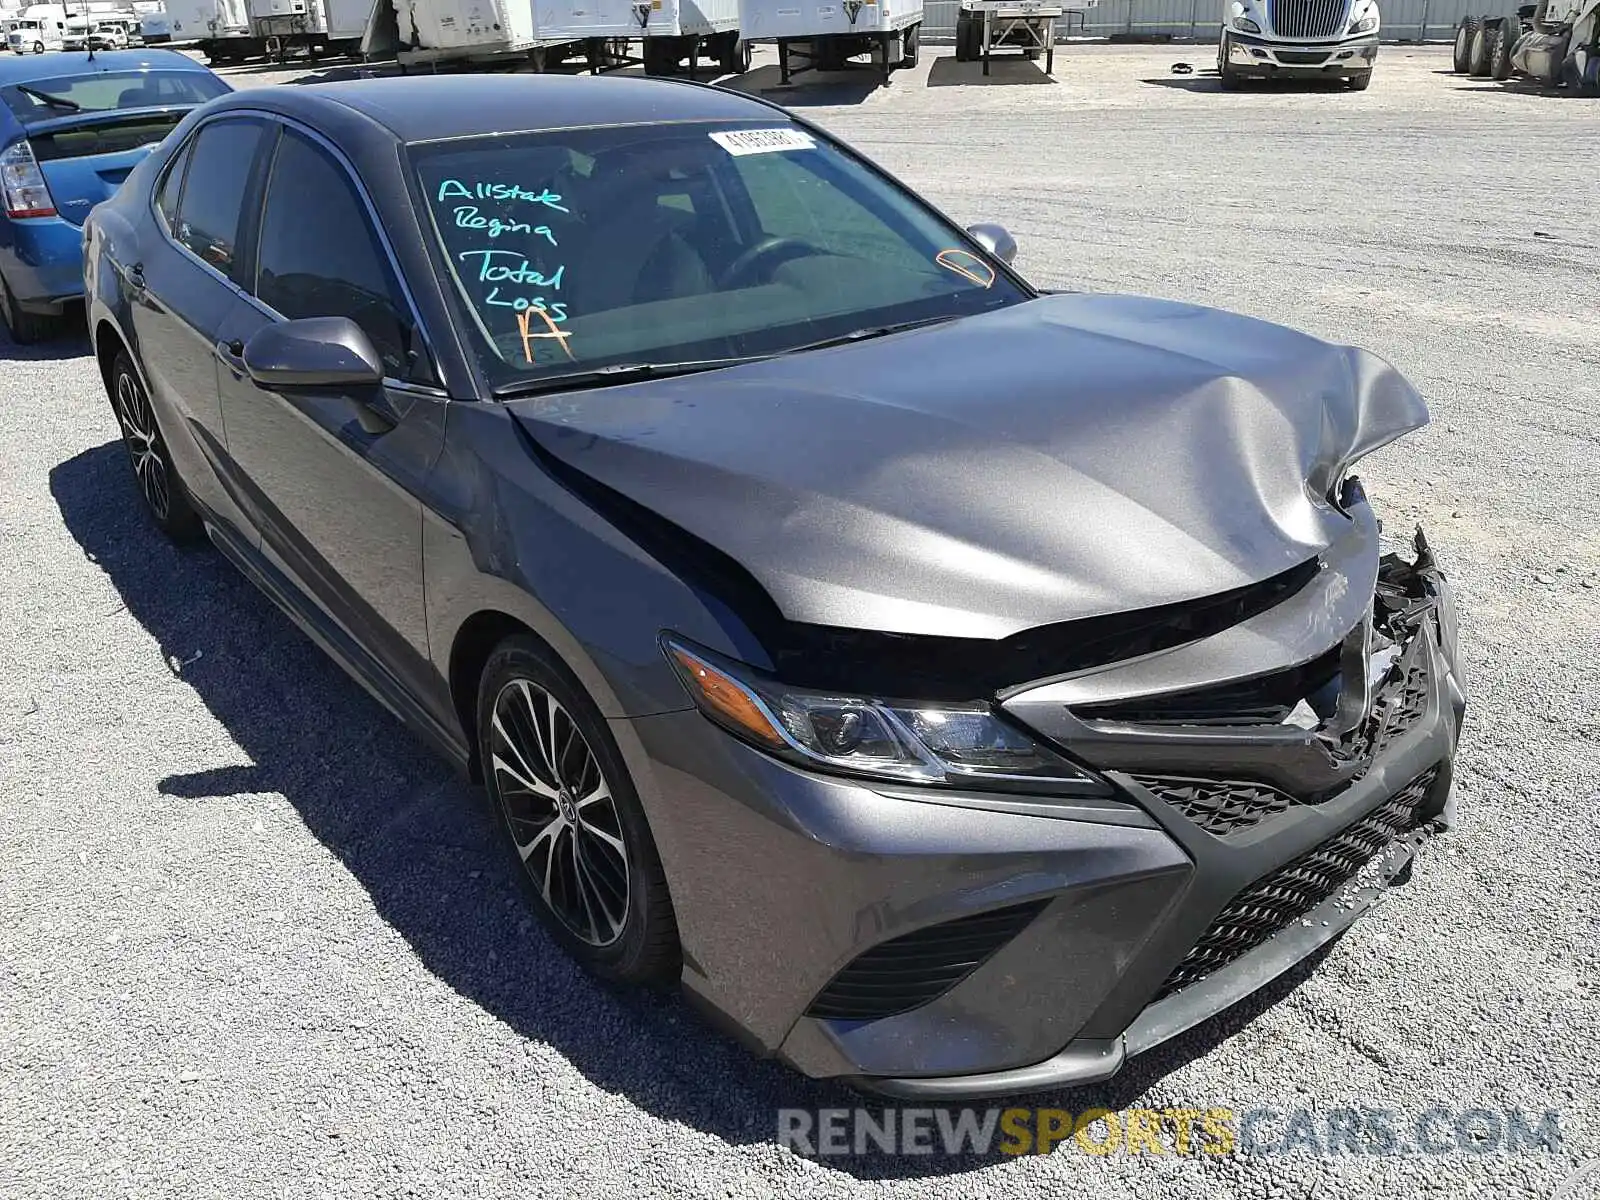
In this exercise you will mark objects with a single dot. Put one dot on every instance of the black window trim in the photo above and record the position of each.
(249, 230)
(187, 149)
(375, 226)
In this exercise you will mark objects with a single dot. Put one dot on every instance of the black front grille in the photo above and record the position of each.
(1219, 806)
(1302, 58)
(1260, 700)
(1273, 903)
(1306, 18)
(915, 968)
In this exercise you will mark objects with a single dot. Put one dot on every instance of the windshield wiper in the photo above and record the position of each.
(60, 102)
(615, 373)
(871, 331)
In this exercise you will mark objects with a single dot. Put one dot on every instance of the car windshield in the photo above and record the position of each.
(108, 92)
(691, 242)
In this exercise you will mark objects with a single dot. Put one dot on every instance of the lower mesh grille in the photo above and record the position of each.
(916, 968)
(1219, 806)
(1273, 903)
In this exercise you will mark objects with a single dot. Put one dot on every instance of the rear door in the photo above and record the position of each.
(337, 504)
(187, 286)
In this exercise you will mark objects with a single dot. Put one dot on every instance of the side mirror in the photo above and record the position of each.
(996, 241)
(314, 352)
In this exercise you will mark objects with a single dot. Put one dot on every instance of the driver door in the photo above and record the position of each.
(333, 479)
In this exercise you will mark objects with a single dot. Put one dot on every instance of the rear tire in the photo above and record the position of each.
(658, 60)
(571, 819)
(1461, 55)
(1360, 81)
(26, 328)
(966, 27)
(734, 57)
(1478, 58)
(165, 498)
(1505, 40)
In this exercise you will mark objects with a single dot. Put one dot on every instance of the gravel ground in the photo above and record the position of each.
(254, 942)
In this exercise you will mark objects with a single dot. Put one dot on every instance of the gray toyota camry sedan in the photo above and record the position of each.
(958, 688)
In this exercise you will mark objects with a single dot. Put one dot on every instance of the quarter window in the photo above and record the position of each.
(214, 195)
(320, 257)
(172, 186)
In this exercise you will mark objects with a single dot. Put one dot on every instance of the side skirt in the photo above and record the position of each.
(338, 645)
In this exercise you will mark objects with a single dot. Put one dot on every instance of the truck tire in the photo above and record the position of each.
(1505, 40)
(909, 45)
(1461, 56)
(1360, 81)
(1231, 80)
(968, 35)
(1478, 58)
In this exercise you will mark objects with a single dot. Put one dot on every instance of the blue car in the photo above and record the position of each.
(71, 128)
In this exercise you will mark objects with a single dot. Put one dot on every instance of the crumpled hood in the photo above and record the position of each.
(1069, 457)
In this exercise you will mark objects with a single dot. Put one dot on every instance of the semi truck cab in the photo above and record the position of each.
(1298, 39)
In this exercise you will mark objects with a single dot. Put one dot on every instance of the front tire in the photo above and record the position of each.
(165, 498)
(571, 817)
(1360, 81)
(1231, 80)
(909, 47)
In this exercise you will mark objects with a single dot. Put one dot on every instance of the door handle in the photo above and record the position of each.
(232, 355)
(136, 276)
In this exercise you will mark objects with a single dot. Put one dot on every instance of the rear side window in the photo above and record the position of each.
(214, 194)
(108, 92)
(319, 256)
(172, 186)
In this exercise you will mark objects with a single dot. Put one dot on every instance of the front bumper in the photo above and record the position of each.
(785, 883)
(1253, 55)
(41, 259)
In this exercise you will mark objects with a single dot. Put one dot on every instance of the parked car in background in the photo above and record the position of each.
(959, 688)
(94, 33)
(71, 128)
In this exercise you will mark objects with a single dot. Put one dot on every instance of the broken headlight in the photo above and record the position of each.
(951, 745)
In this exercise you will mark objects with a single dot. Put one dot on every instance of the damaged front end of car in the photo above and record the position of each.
(985, 789)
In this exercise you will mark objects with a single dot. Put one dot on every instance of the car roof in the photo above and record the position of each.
(421, 108)
(29, 67)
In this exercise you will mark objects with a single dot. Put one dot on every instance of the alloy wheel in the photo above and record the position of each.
(558, 805)
(143, 440)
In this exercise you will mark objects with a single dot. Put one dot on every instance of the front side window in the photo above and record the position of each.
(589, 247)
(214, 192)
(318, 254)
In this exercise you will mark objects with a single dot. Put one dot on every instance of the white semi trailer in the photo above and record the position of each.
(230, 31)
(1298, 39)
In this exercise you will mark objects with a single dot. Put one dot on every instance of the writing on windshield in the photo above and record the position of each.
(509, 256)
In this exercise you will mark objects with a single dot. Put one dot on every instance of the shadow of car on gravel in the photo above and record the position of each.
(421, 842)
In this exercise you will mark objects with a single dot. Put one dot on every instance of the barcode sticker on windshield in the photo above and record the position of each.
(763, 141)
